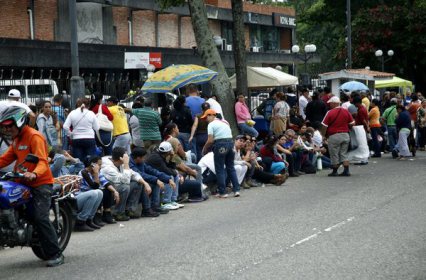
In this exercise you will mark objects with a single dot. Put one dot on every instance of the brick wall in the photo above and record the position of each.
(144, 28)
(120, 15)
(45, 17)
(168, 31)
(14, 20)
(187, 38)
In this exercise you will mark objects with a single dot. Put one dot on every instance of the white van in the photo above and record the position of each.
(31, 90)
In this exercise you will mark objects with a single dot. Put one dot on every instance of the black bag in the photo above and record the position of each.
(308, 167)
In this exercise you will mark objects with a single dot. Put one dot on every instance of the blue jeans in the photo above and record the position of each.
(184, 140)
(193, 188)
(392, 137)
(200, 140)
(124, 141)
(246, 129)
(170, 194)
(375, 132)
(224, 165)
(88, 202)
(82, 148)
(106, 138)
(153, 201)
(129, 197)
(277, 167)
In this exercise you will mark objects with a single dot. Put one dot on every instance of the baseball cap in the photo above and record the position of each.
(165, 147)
(208, 112)
(14, 93)
(334, 99)
(112, 99)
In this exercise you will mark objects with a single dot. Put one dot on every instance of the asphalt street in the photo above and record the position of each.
(368, 226)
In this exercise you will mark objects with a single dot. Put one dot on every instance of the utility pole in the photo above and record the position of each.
(76, 82)
(349, 33)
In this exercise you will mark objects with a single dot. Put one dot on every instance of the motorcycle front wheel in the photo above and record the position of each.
(63, 232)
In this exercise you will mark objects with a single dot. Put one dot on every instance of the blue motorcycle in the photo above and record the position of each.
(16, 227)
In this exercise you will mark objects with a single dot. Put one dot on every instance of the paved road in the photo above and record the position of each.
(369, 226)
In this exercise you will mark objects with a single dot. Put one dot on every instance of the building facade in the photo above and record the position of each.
(35, 37)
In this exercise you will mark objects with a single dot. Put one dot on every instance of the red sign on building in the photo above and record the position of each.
(156, 60)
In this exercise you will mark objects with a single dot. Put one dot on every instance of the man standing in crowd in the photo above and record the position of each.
(303, 102)
(337, 123)
(120, 131)
(38, 176)
(220, 134)
(149, 125)
(193, 100)
(389, 117)
(326, 96)
(315, 109)
(214, 104)
(13, 99)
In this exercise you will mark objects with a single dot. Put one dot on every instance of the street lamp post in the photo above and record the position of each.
(308, 53)
(381, 57)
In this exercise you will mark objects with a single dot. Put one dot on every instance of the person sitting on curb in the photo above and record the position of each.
(92, 179)
(158, 181)
(128, 183)
(160, 160)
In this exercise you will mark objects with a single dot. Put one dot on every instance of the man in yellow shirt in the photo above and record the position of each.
(120, 132)
(375, 127)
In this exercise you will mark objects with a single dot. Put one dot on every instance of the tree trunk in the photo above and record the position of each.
(211, 58)
(239, 48)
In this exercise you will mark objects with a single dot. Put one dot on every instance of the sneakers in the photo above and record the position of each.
(170, 206)
(237, 194)
(149, 213)
(55, 261)
(345, 174)
(121, 217)
(107, 218)
(82, 226)
(222, 195)
(177, 204)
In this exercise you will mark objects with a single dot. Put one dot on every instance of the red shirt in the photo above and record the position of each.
(325, 99)
(362, 115)
(337, 120)
(105, 111)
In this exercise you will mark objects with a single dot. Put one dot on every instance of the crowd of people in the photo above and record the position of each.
(139, 162)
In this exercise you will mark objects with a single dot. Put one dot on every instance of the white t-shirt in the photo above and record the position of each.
(215, 106)
(317, 139)
(219, 129)
(303, 102)
(83, 123)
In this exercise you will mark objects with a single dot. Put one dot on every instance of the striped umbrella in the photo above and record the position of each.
(177, 76)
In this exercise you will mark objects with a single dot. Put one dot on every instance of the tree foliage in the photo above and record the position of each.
(376, 24)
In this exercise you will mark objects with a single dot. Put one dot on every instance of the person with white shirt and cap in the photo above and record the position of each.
(13, 98)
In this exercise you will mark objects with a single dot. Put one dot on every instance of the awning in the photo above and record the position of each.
(394, 82)
(263, 77)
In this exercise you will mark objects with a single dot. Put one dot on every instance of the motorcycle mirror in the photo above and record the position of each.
(32, 158)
